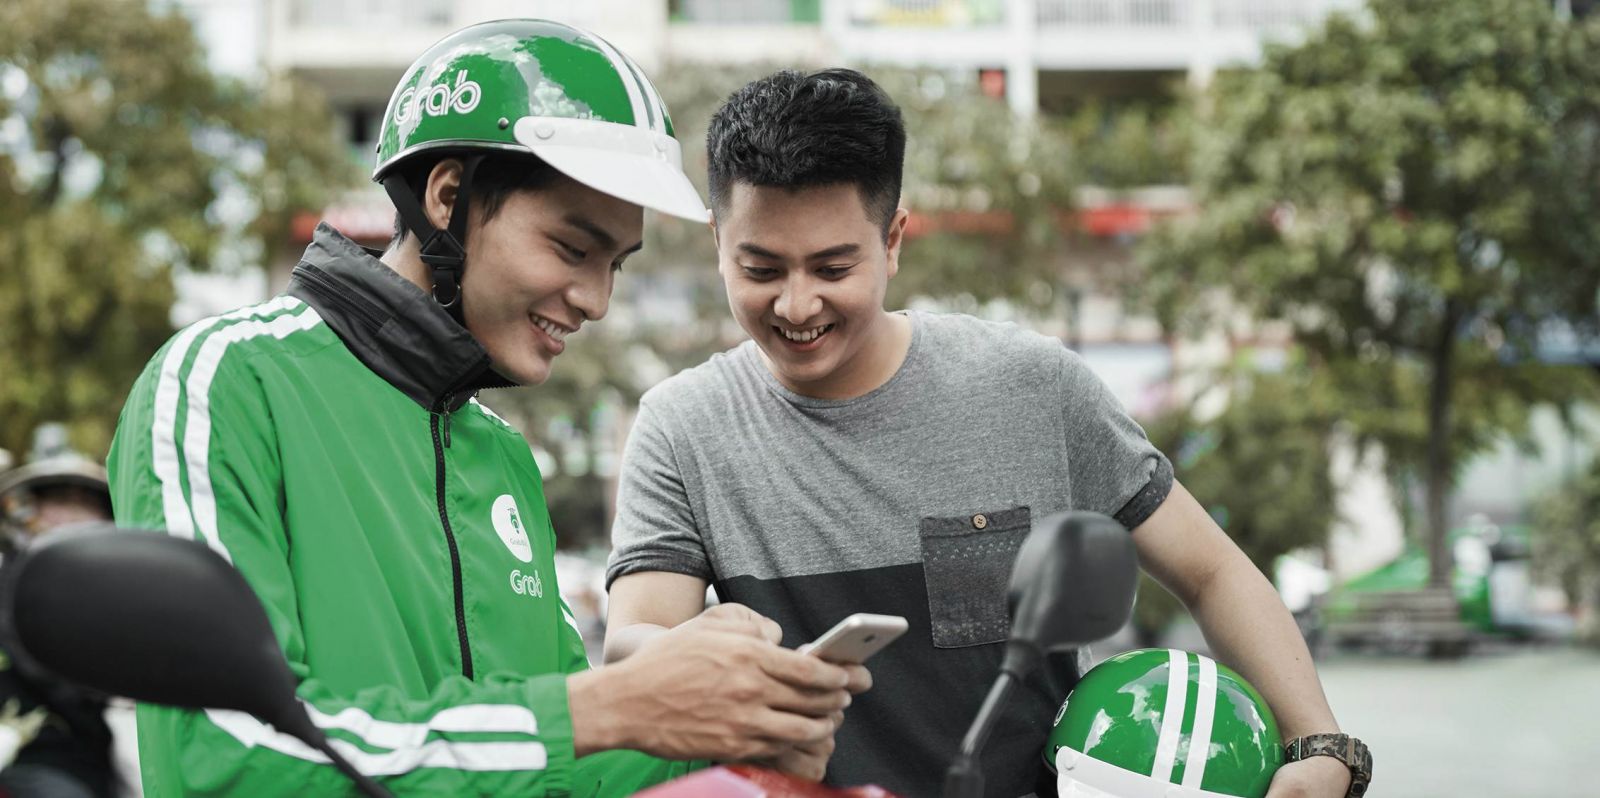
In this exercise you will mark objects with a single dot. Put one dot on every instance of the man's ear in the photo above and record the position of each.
(439, 197)
(896, 237)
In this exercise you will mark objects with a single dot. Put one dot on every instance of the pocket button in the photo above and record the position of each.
(980, 521)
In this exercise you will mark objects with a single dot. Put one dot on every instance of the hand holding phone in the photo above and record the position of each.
(854, 639)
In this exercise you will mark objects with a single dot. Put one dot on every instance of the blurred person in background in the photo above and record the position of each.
(899, 459)
(61, 742)
(330, 445)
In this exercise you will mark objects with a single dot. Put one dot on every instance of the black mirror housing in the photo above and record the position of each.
(1073, 583)
(147, 616)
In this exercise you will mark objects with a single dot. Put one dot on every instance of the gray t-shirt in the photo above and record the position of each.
(910, 500)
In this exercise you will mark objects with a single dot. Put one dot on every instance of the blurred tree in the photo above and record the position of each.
(1130, 146)
(1261, 469)
(123, 160)
(1566, 545)
(989, 190)
(1417, 190)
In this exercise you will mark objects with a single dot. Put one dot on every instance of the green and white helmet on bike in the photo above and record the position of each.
(536, 87)
(1162, 723)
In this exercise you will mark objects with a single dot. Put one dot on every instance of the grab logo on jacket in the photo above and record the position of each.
(527, 584)
(507, 521)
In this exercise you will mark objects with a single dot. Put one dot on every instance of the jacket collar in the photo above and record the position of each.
(390, 325)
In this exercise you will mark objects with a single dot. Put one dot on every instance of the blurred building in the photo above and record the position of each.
(1039, 54)
(1042, 56)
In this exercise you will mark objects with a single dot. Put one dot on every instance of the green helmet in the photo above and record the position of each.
(536, 87)
(1162, 723)
(552, 90)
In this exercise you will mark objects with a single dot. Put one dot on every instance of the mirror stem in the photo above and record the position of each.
(964, 779)
(368, 787)
(1021, 659)
(295, 722)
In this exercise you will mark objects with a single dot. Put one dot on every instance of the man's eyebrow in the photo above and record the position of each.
(601, 238)
(835, 251)
(839, 250)
(760, 252)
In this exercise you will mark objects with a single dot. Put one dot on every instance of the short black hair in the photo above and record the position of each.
(500, 174)
(797, 130)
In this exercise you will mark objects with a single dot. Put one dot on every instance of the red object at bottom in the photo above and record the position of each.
(744, 781)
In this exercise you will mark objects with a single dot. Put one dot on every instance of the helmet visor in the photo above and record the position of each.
(629, 163)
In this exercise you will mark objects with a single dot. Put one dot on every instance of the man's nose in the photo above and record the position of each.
(798, 300)
(590, 293)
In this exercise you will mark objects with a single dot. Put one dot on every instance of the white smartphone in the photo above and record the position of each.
(854, 639)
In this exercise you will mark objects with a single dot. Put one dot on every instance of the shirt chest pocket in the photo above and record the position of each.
(967, 560)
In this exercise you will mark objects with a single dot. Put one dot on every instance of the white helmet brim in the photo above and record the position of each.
(630, 163)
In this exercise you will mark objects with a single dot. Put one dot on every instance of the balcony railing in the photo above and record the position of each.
(370, 14)
(746, 12)
(1125, 14)
(1270, 14)
(1114, 13)
(936, 13)
(1152, 15)
(1254, 15)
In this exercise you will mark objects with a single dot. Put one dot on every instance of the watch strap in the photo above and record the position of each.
(1349, 750)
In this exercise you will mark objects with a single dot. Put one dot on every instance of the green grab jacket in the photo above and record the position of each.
(327, 443)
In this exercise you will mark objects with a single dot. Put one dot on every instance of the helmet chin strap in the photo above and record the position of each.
(443, 251)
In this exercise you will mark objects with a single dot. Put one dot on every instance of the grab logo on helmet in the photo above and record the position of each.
(546, 89)
(439, 99)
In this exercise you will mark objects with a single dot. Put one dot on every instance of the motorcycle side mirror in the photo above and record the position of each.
(154, 618)
(1073, 583)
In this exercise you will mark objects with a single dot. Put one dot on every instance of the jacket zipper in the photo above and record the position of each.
(440, 443)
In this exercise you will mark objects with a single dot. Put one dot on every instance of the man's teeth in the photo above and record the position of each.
(550, 329)
(805, 336)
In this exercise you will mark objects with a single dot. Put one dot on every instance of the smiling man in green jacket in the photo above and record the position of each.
(329, 445)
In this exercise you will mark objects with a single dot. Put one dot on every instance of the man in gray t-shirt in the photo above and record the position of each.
(849, 459)
(908, 500)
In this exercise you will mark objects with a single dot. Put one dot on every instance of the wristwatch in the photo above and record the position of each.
(1352, 752)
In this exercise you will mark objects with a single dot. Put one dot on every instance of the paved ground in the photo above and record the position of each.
(1514, 723)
